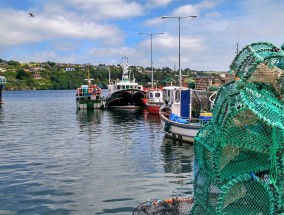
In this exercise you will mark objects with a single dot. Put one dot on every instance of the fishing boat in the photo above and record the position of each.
(154, 100)
(89, 96)
(125, 93)
(185, 111)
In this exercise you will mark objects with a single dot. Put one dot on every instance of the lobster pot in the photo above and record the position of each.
(280, 161)
(226, 92)
(246, 62)
(260, 62)
(242, 195)
(197, 209)
(224, 163)
(279, 196)
(246, 120)
(240, 152)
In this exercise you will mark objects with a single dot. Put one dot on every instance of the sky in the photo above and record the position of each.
(105, 31)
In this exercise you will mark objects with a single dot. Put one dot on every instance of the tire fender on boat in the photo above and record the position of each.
(167, 126)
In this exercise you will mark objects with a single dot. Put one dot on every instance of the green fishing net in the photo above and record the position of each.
(239, 154)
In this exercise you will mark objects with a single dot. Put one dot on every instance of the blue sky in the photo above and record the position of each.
(104, 31)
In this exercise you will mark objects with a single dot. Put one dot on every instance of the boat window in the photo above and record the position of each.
(177, 96)
(127, 86)
(170, 95)
(165, 94)
(157, 94)
(151, 95)
(118, 87)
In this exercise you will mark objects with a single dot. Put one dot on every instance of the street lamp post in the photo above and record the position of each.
(179, 18)
(151, 34)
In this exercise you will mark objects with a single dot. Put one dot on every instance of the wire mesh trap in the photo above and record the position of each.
(173, 206)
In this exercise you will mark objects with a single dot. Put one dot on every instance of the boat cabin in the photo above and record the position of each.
(179, 100)
(155, 95)
(116, 86)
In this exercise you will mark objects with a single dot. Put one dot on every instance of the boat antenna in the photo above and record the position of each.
(108, 61)
(89, 79)
(125, 73)
(238, 34)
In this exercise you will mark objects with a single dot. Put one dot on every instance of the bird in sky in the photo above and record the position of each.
(32, 15)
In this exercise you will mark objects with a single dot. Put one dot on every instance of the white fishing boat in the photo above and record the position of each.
(125, 93)
(183, 114)
(154, 100)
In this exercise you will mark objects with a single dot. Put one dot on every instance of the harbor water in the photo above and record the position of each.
(55, 159)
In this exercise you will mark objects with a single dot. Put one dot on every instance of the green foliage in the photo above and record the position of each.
(13, 63)
(51, 64)
(54, 77)
(22, 74)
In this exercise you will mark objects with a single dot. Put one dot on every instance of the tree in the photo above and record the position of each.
(22, 74)
(13, 63)
(51, 64)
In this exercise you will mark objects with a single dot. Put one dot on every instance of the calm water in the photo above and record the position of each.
(57, 160)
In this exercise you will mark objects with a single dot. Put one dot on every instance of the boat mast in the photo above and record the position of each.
(89, 80)
(125, 66)
(238, 34)
(108, 63)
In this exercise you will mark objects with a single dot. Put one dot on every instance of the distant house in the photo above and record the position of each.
(36, 68)
(222, 79)
(203, 82)
(37, 76)
(69, 69)
(2, 79)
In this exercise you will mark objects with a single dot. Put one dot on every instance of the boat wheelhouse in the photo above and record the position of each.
(125, 93)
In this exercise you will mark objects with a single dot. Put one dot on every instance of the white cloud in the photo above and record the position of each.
(154, 21)
(186, 10)
(104, 9)
(88, 27)
(38, 57)
(21, 28)
(157, 3)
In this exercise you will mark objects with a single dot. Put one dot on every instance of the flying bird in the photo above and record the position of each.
(32, 15)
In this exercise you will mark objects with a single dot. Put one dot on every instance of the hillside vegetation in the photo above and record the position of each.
(50, 75)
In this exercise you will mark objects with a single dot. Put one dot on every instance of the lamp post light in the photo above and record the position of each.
(151, 34)
(179, 18)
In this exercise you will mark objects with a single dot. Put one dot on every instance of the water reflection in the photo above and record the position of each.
(1, 114)
(89, 117)
(121, 116)
(178, 163)
(150, 117)
(178, 156)
(85, 162)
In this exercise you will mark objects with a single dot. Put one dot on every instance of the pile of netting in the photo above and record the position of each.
(173, 206)
(239, 153)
